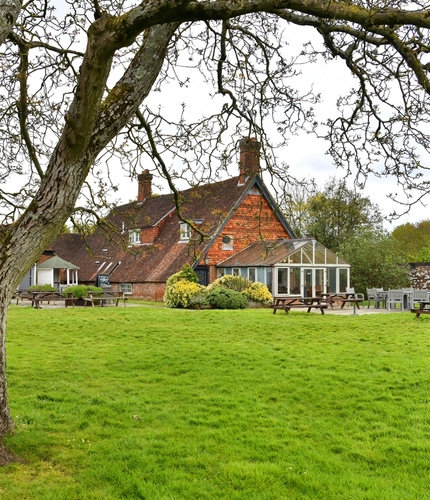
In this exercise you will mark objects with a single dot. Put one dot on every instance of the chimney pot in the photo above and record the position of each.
(249, 162)
(144, 185)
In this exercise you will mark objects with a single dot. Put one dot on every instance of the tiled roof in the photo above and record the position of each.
(265, 253)
(209, 204)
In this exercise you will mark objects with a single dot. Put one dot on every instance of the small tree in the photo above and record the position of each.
(338, 213)
(377, 261)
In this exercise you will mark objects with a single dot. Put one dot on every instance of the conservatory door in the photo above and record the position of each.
(313, 282)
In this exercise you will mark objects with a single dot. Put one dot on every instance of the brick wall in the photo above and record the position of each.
(254, 220)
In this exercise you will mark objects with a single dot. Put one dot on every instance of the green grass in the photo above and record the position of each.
(151, 403)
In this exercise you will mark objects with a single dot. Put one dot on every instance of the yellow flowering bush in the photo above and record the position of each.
(258, 292)
(180, 293)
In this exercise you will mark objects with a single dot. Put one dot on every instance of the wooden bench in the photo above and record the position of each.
(103, 298)
(424, 308)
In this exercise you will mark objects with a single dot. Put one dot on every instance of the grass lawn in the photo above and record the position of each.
(150, 403)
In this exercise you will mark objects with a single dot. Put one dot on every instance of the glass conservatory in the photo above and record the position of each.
(300, 267)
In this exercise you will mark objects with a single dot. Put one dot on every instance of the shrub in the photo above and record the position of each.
(258, 292)
(225, 298)
(43, 288)
(79, 291)
(200, 298)
(231, 282)
(186, 273)
(180, 293)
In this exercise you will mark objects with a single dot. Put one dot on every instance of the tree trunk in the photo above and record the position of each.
(83, 138)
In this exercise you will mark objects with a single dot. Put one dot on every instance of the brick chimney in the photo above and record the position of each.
(144, 189)
(249, 162)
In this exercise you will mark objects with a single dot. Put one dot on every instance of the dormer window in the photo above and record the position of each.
(184, 232)
(134, 237)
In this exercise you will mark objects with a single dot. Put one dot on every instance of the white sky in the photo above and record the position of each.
(305, 154)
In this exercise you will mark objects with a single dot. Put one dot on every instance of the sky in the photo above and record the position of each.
(305, 154)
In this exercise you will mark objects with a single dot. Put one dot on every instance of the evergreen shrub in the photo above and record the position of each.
(225, 298)
(79, 291)
(231, 282)
(43, 288)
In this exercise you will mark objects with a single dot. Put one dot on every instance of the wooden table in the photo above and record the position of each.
(343, 298)
(38, 297)
(287, 303)
(423, 309)
(104, 298)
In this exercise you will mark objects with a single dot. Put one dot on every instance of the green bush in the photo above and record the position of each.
(181, 293)
(43, 288)
(258, 292)
(79, 291)
(225, 298)
(186, 273)
(231, 282)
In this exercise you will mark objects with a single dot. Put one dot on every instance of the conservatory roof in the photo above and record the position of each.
(291, 251)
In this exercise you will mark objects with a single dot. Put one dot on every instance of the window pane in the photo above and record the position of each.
(269, 278)
(295, 281)
(332, 280)
(251, 274)
(343, 279)
(282, 280)
(319, 254)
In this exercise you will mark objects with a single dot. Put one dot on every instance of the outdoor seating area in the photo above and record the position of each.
(321, 301)
(405, 299)
(37, 297)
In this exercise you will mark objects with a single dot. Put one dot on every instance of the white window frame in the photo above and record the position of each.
(134, 236)
(184, 231)
(126, 288)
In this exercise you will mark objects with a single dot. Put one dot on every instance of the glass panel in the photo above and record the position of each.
(319, 282)
(282, 280)
(331, 257)
(319, 254)
(307, 253)
(343, 279)
(295, 281)
(261, 275)
(332, 271)
(251, 274)
(296, 258)
(308, 282)
(269, 275)
(341, 261)
(236, 271)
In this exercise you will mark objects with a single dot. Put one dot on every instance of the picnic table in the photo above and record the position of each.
(343, 298)
(424, 308)
(37, 297)
(104, 297)
(288, 303)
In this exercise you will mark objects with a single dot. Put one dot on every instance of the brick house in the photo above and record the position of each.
(149, 242)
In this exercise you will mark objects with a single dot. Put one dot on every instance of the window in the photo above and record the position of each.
(227, 242)
(134, 237)
(126, 288)
(252, 274)
(185, 231)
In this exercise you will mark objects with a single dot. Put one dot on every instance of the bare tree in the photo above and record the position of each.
(75, 85)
